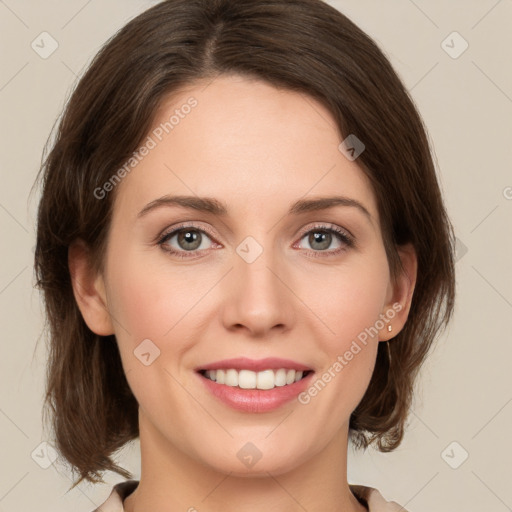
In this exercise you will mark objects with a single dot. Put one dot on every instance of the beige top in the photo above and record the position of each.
(368, 496)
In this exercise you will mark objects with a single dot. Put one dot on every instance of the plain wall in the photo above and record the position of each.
(465, 389)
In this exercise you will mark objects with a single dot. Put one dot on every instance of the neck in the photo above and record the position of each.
(173, 480)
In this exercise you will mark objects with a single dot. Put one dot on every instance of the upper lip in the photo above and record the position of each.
(244, 363)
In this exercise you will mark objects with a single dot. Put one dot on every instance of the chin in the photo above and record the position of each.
(250, 462)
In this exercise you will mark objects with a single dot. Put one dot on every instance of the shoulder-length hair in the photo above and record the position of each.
(305, 46)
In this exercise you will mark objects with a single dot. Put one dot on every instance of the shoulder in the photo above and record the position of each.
(374, 499)
(120, 491)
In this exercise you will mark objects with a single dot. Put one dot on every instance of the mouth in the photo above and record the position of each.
(255, 386)
(248, 379)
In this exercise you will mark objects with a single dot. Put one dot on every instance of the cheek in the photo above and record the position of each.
(350, 308)
(151, 298)
(351, 302)
(153, 308)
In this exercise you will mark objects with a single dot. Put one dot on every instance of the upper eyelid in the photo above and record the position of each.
(325, 225)
(180, 226)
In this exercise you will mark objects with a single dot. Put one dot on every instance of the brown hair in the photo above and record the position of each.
(301, 45)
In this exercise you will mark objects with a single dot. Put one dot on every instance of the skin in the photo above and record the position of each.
(257, 149)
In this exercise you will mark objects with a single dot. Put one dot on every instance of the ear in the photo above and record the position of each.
(89, 289)
(400, 293)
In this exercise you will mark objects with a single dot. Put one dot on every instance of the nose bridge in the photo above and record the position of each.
(259, 300)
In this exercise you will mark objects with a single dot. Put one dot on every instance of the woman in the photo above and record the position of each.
(245, 258)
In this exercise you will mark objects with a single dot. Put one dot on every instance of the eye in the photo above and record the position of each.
(321, 237)
(185, 241)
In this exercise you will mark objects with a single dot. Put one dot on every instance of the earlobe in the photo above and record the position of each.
(400, 293)
(89, 290)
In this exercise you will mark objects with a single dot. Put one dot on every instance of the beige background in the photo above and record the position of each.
(465, 389)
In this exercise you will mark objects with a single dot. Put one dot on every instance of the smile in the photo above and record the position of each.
(255, 386)
(247, 379)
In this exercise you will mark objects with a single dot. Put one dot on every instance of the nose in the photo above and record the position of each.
(258, 298)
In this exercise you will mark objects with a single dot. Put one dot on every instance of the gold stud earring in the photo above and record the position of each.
(390, 328)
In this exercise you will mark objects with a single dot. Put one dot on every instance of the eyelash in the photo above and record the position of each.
(341, 234)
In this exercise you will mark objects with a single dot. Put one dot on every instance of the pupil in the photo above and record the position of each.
(189, 240)
(321, 237)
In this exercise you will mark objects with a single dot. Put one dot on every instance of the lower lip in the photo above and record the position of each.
(256, 400)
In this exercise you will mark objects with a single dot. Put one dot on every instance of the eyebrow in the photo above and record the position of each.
(212, 205)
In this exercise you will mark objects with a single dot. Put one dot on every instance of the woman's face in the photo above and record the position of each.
(257, 269)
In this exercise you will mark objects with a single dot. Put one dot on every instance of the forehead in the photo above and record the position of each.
(246, 143)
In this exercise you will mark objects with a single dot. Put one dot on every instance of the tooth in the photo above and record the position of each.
(280, 378)
(265, 379)
(231, 378)
(247, 379)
